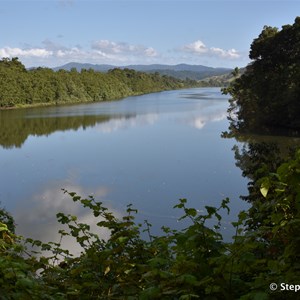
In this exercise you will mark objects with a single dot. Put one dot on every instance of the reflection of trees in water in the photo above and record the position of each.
(258, 157)
(15, 128)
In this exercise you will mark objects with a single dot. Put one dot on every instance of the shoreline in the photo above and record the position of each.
(62, 103)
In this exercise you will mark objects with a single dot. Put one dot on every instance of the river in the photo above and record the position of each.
(146, 150)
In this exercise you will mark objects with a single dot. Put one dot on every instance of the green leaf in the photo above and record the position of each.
(150, 293)
(192, 212)
(3, 227)
(264, 190)
(122, 239)
(210, 209)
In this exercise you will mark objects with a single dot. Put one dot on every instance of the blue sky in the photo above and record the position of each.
(215, 33)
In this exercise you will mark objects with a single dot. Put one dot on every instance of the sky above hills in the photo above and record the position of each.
(215, 33)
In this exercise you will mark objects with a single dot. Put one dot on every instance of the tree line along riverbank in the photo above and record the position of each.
(43, 86)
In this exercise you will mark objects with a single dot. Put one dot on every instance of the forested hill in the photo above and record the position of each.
(180, 71)
(40, 86)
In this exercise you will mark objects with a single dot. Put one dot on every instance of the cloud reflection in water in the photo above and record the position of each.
(191, 119)
(38, 219)
(126, 123)
(200, 121)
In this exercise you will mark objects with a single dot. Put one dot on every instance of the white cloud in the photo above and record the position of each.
(199, 48)
(109, 47)
(102, 51)
(33, 52)
(232, 53)
(196, 47)
(51, 53)
(106, 46)
(151, 52)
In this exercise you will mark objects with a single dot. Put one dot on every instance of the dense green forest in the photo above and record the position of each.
(262, 261)
(40, 86)
(266, 97)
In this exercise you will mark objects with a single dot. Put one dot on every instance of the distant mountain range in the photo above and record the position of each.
(181, 71)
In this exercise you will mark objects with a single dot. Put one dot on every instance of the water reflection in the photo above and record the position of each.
(17, 125)
(126, 123)
(36, 217)
(203, 96)
(198, 121)
(149, 150)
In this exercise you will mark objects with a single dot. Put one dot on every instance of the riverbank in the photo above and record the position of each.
(44, 87)
(63, 103)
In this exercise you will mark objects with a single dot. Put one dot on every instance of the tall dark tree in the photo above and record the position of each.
(267, 95)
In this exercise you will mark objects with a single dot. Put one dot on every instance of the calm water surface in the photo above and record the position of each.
(148, 150)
